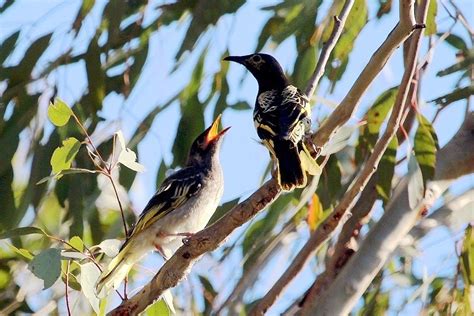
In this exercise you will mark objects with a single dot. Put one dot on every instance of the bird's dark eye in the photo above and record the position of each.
(257, 59)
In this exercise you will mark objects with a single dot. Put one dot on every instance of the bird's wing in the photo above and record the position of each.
(294, 111)
(173, 193)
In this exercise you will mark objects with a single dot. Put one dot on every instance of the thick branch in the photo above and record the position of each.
(179, 265)
(327, 228)
(349, 104)
(455, 212)
(339, 22)
(455, 159)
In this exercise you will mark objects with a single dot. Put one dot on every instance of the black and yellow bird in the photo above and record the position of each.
(182, 206)
(282, 116)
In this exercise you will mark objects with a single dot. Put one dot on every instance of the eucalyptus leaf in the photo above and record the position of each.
(416, 188)
(63, 156)
(89, 276)
(59, 113)
(47, 266)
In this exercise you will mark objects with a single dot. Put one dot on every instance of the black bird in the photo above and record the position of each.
(182, 206)
(282, 116)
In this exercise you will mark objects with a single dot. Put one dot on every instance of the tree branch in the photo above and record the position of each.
(455, 159)
(455, 212)
(179, 265)
(349, 104)
(340, 213)
(339, 22)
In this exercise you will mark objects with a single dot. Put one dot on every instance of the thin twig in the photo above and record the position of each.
(106, 169)
(120, 205)
(84, 131)
(67, 290)
(339, 22)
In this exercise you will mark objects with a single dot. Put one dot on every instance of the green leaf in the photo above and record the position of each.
(426, 146)
(24, 253)
(82, 13)
(203, 17)
(304, 66)
(22, 72)
(375, 117)
(89, 276)
(59, 113)
(416, 189)
(467, 267)
(339, 140)
(456, 95)
(63, 156)
(9, 210)
(355, 22)
(191, 123)
(47, 266)
(464, 64)
(209, 294)
(386, 170)
(378, 112)
(455, 41)
(159, 308)
(77, 243)
(95, 78)
(431, 18)
(7, 46)
(6, 5)
(21, 231)
(5, 278)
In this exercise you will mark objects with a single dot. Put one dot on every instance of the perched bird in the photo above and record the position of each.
(282, 116)
(182, 206)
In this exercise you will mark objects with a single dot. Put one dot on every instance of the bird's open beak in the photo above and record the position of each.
(237, 59)
(212, 133)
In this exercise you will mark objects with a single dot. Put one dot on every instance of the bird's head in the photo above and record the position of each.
(207, 145)
(264, 68)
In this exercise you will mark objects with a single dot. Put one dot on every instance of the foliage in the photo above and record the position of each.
(65, 175)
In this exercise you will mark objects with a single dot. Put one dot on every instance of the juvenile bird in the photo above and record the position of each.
(282, 116)
(182, 206)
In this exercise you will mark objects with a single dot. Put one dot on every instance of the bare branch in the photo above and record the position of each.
(454, 160)
(349, 104)
(339, 22)
(454, 213)
(179, 265)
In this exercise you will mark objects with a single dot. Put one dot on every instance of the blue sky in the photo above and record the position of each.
(243, 158)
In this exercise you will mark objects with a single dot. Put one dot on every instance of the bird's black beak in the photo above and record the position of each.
(212, 133)
(237, 59)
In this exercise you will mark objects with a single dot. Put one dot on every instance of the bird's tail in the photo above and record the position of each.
(290, 173)
(119, 267)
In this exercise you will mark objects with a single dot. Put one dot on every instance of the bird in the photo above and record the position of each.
(182, 206)
(282, 117)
